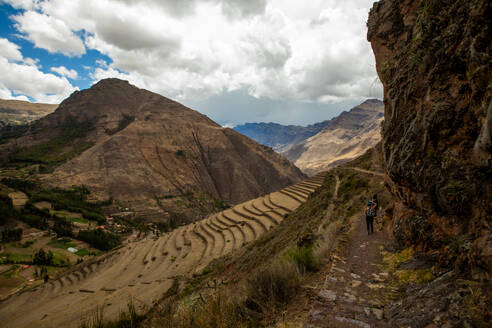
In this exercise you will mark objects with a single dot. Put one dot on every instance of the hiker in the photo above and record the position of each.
(371, 210)
(376, 204)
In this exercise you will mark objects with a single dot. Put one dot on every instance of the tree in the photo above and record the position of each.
(43, 258)
(63, 228)
(11, 235)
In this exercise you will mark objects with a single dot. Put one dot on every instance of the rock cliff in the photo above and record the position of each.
(434, 60)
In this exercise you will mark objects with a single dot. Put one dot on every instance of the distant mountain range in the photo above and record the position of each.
(279, 137)
(326, 144)
(148, 152)
(21, 112)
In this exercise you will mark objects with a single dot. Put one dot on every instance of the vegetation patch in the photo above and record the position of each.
(303, 258)
(9, 234)
(83, 252)
(62, 243)
(126, 319)
(100, 239)
(60, 148)
(123, 123)
(6, 258)
(72, 200)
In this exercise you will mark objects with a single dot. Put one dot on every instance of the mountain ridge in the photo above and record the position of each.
(96, 137)
(344, 138)
(13, 112)
(279, 136)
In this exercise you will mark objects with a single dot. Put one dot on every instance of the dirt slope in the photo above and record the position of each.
(145, 269)
(144, 150)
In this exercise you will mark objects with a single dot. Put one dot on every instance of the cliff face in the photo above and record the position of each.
(434, 60)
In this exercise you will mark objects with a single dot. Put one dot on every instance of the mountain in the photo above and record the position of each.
(434, 60)
(343, 138)
(279, 137)
(149, 153)
(22, 112)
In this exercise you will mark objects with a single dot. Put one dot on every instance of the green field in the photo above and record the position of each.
(78, 220)
(15, 258)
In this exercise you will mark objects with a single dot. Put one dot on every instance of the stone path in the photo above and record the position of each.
(352, 291)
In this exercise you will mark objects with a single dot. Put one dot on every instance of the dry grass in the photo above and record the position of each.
(127, 319)
(326, 242)
(265, 292)
(271, 288)
(303, 258)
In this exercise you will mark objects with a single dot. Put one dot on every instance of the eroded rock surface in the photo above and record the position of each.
(434, 59)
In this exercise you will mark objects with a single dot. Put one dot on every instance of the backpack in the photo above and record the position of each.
(370, 211)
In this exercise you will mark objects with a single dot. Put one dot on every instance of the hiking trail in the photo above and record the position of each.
(352, 291)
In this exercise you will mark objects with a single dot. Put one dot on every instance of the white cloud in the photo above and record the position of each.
(9, 50)
(304, 51)
(7, 94)
(63, 71)
(49, 33)
(21, 78)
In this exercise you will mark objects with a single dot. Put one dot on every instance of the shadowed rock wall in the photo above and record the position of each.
(434, 60)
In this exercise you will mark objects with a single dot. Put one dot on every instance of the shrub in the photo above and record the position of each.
(11, 235)
(271, 288)
(220, 205)
(34, 221)
(63, 228)
(29, 208)
(6, 209)
(303, 258)
(19, 184)
(126, 319)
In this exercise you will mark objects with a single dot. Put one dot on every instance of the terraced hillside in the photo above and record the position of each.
(145, 269)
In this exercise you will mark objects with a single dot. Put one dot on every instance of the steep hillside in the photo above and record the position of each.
(149, 153)
(279, 137)
(434, 59)
(22, 112)
(344, 137)
(146, 269)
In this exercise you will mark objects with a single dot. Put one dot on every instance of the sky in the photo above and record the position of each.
(284, 61)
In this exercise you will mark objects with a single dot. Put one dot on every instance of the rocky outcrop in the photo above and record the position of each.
(149, 153)
(343, 138)
(434, 60)
(22, 112)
